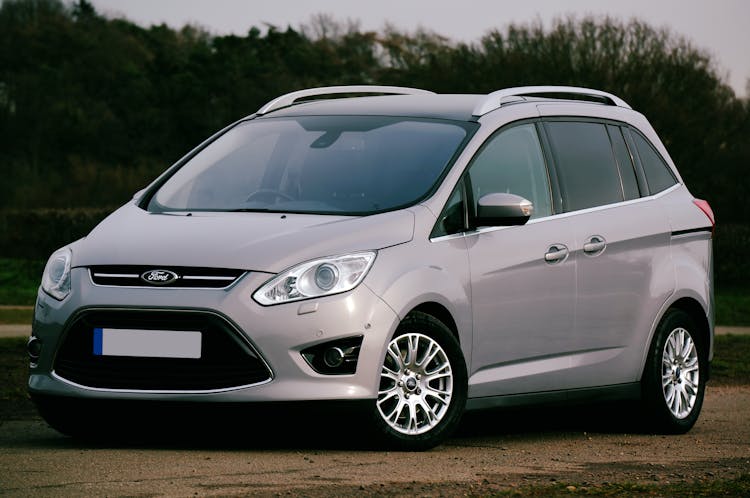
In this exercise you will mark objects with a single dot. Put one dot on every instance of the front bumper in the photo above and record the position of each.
(277, 333)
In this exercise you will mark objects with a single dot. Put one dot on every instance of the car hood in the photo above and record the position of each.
(269, 242)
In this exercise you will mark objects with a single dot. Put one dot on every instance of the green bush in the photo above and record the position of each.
(34, 234)
(19, 280)
(731, 265)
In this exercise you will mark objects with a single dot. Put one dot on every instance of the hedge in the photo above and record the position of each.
(34, 234)
(731, 264)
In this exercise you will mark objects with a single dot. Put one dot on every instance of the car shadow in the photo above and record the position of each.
(604, 418)
(310, 427)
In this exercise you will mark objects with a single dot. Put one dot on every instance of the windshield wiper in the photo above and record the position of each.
(253, 210)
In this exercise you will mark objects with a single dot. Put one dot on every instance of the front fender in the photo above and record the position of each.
(406, 277)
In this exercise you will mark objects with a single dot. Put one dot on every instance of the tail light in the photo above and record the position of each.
(706, 208)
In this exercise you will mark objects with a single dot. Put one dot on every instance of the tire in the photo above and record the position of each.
(674, 379)
(422, 386)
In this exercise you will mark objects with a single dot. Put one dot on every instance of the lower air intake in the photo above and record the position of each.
(226, 359)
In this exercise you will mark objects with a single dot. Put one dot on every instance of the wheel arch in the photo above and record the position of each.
(698, 314)
(693, 307)
(441, 313)
(438, 291)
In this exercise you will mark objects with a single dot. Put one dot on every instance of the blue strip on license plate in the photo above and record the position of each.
(98, 342)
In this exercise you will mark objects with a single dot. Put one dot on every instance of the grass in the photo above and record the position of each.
(733, 307)
(16, 316)
(19, 280)
(731, 364)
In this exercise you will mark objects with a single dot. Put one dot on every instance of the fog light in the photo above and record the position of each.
(34, 348)
(333, 357)
(337, 357)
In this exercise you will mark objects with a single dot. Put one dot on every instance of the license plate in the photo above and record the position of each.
(147, 343)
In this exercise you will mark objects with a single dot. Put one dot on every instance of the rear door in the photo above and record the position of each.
(622, 236)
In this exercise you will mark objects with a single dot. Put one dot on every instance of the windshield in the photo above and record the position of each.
(315, 164)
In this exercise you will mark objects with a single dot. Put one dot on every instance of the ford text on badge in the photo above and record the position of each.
(159, 277)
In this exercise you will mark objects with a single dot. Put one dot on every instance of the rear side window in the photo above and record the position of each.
(586, 165)
(658, 174)
(625, 162)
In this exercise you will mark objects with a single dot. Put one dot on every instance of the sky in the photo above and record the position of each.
(720, 27)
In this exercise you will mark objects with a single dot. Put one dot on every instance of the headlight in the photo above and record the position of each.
(320, 277)
(56, 277)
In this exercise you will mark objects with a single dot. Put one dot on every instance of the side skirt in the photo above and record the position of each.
(619, 392)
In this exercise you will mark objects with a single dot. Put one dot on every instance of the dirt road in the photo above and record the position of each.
(493, 451)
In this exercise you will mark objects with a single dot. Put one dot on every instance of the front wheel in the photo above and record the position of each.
(674, 380)
(422, 390)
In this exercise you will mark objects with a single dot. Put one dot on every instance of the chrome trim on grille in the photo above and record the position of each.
(196, 277)
(187, 277)
(115, 275)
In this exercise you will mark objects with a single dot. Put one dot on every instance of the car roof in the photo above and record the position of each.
(456, 107)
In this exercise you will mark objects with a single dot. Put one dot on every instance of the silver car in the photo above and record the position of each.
(416, 254)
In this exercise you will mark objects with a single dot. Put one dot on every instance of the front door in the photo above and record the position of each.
(523, 277)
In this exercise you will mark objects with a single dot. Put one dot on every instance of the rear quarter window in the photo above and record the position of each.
(658, 175)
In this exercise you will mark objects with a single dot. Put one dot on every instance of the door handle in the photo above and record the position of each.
(556, 253)
(594, 245)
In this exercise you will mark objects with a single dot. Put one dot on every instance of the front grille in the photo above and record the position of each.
(185, 276)
(226, 359)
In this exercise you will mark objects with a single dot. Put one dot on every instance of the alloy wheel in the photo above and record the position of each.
(680, 373)
(416, 384)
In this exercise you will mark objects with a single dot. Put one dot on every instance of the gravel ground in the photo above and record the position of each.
(493, 452)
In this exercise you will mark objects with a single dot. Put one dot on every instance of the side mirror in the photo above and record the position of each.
(503, 210)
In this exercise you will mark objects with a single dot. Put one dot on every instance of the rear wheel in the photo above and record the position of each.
(422, 390)
(675, 375)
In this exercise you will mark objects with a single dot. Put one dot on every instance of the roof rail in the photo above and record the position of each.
(291, 98)
(495, 99)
